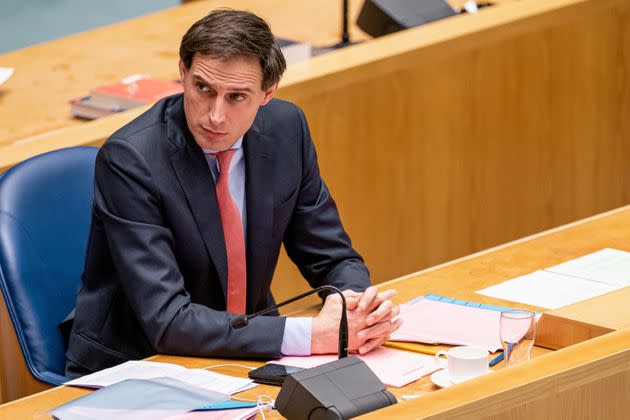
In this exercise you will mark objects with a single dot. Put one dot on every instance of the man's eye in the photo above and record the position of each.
(236, 97)
(201, 87)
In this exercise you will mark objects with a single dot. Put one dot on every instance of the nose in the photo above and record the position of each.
(217, 112)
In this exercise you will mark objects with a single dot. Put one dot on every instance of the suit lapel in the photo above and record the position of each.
(259, 203)
(195, 178)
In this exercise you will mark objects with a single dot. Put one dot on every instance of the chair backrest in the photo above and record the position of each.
(45, 211)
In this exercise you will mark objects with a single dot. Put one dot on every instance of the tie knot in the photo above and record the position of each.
(224, 158)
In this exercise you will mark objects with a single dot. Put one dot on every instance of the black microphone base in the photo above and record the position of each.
(341, 389)
(343, 44)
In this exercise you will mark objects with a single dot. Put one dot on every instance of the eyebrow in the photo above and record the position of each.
(230, 88)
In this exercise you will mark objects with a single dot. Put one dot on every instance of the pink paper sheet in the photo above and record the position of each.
(239, 413)
(393, 367)
(446, 323)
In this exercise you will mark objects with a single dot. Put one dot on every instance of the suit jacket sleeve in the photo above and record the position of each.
(315, 238)
(128, 202)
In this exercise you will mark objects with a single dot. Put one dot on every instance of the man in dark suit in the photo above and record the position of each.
(193, 200)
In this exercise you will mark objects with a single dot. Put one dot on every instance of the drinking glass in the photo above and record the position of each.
(517, 329)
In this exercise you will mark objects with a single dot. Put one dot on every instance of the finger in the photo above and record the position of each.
(379, 314)
(379, 330)
(383, 329)
(388, 317)
(371, 344)
(394, 326)
(352, 299)
(352, 304)
(367, 298)
(382, 297)
(351, 293)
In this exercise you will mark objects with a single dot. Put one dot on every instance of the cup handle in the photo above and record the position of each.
(439, 361)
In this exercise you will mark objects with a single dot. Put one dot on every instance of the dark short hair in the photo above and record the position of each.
(227, 34)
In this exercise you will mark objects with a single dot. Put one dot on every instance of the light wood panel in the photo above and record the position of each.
(610, 310)
(590, 380)
(15, 379)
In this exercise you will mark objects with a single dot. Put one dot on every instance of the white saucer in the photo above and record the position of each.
(442, 379)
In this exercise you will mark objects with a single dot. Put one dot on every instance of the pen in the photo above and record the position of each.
(496, 360)
(415, 347)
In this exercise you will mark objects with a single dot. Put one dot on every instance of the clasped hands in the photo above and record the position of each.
(370, 321)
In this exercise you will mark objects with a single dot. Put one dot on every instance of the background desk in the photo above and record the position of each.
(587, 380)
(436, 142)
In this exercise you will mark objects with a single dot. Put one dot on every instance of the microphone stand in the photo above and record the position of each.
(241, 321)
(314, 393)
(345, 34)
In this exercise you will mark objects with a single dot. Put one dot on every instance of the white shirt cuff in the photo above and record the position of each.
(297, 337)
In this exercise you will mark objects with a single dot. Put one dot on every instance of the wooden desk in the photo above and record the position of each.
(436, 142)
(590, 379)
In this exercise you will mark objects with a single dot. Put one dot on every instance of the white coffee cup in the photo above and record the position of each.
(463, 362)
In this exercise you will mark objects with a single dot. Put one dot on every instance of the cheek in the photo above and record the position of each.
(195, 105)
(245, 114)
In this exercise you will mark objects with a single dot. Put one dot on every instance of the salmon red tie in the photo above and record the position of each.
(234, 237)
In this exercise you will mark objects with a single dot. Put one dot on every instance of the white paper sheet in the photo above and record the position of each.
(608, 266)
(547, 289)
(5, 73)
(138, 369)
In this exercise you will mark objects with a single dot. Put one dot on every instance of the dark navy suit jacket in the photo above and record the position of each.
(156, 271)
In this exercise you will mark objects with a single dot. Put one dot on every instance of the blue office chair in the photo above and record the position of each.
(45, 210)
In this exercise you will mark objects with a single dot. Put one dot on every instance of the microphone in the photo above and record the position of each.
(307, 393)
(241, 321)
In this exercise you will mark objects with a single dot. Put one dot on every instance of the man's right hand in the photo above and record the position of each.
(362, 335)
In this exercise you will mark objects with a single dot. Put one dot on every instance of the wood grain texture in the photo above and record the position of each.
(555, 332)
(15, 379)
(609, 310)
(586, 381)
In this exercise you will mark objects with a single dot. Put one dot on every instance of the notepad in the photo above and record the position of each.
(393, 367)
(428, 320)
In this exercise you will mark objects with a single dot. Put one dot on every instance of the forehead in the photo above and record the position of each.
(238, 71)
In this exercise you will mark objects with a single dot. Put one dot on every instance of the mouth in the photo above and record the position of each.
(213, 132)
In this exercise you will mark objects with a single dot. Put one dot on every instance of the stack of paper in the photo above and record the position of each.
(576, 280)
(136, 369)
(433, 321)
(394, 368)
(139, 399)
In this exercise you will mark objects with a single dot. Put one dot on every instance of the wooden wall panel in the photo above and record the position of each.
(450, 155)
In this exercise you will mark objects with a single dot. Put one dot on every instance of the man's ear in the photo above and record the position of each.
(182, 70)
(269, 92)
